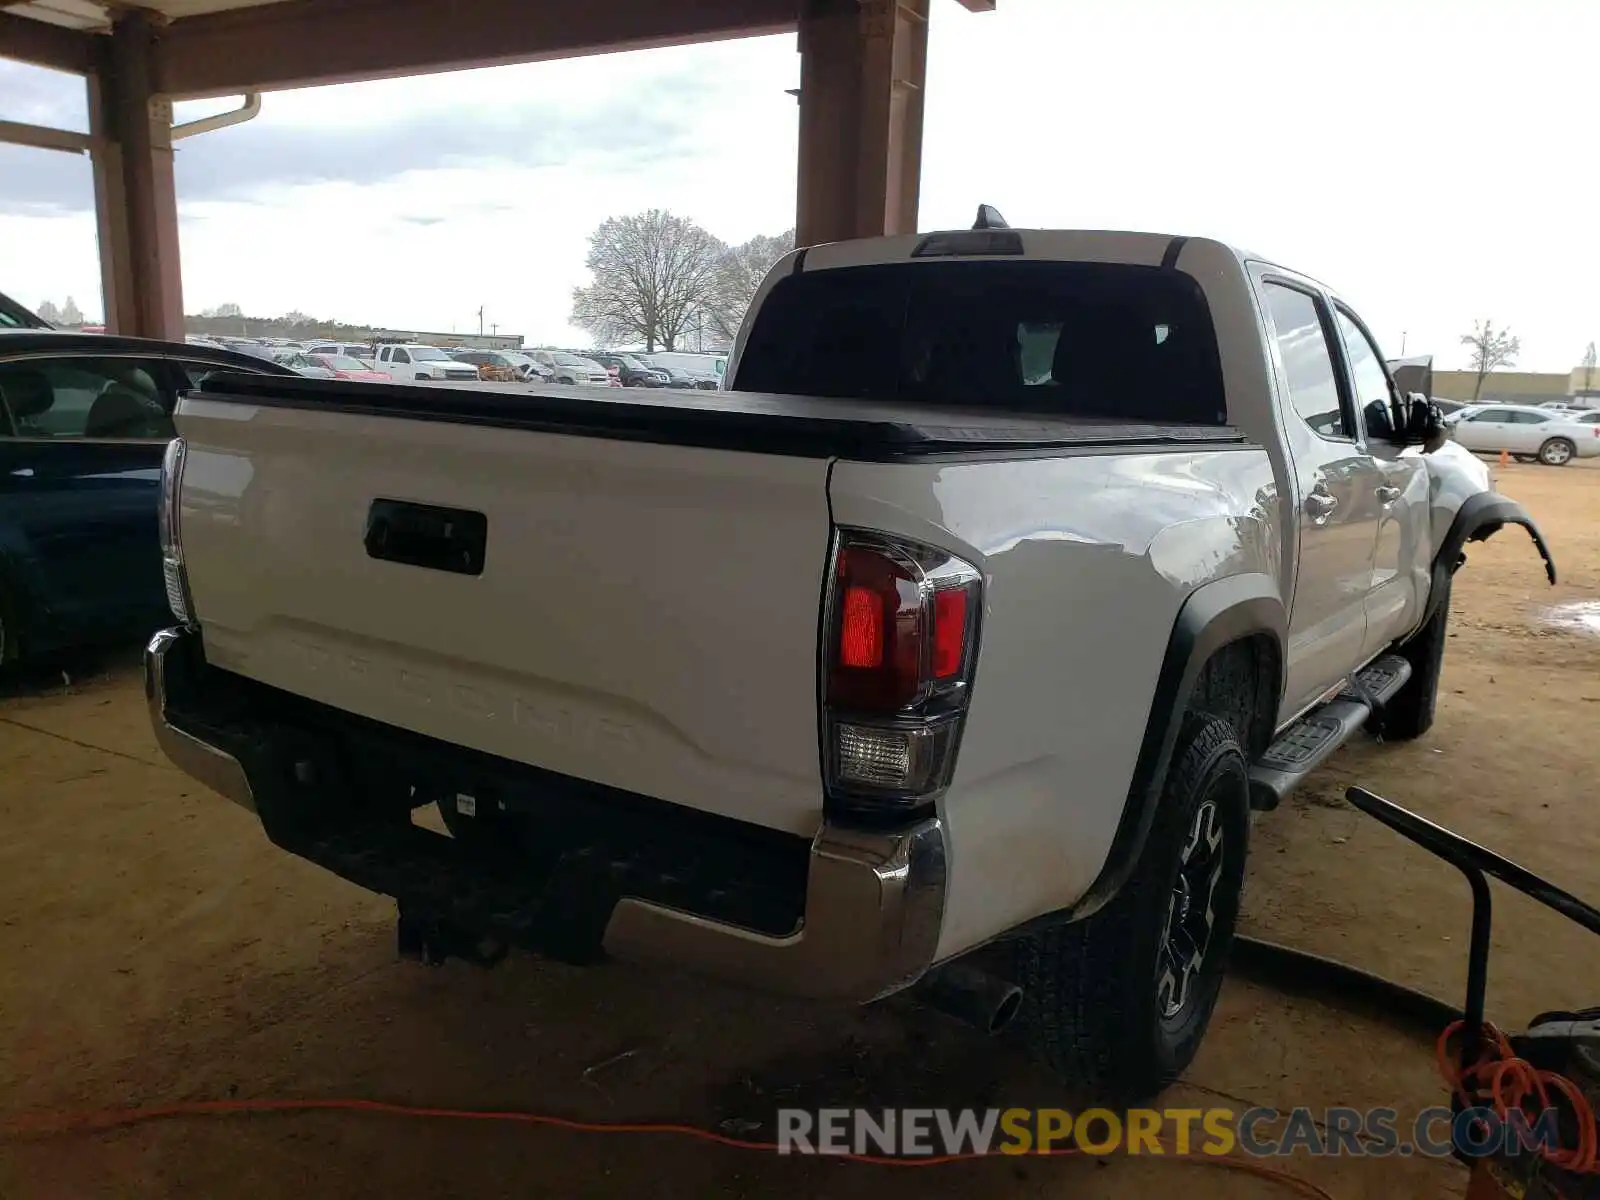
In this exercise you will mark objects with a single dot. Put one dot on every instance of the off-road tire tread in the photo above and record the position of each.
(1083, 1002)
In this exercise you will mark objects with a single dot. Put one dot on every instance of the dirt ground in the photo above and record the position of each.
(155, 948)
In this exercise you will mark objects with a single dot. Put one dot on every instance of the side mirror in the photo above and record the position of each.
(1413, 421)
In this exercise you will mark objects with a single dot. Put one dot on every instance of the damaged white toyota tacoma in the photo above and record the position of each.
(1010, 572)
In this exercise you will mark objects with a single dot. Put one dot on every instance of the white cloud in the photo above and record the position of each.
(1430, 158)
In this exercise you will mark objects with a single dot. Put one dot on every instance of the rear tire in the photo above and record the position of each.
(1409, 713)
(1117, 1003)
(1557, 452)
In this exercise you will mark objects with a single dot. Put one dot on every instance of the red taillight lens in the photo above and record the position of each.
(949, 632)
(861, 632)
(877, 659)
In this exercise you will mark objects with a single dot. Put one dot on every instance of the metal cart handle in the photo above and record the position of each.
(1475, 862)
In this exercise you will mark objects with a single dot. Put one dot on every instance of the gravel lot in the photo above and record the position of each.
(157, 948)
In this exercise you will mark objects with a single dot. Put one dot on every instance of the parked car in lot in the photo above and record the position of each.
(304, 364)
(633, 371)
(1553, 438)
(683, 377)
(492, 365)
(528, 368)
(361, 350)
(690, 370)
(84, 421)
(1014, 570)
(411, 361)
(345, 367)
(572, 368)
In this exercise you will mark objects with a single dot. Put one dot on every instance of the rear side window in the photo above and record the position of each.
(1092, 340)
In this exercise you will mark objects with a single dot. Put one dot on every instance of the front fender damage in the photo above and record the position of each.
(1480, 518)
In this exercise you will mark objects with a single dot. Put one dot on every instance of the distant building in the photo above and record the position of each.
(476, 341)
(1509, 387)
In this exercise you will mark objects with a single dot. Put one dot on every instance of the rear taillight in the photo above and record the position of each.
(173, 571)
(901, 643)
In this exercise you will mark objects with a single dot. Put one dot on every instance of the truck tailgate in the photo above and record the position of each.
(646, 615)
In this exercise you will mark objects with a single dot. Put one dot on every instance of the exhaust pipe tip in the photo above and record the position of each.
(972, 995)
(1007, 1009)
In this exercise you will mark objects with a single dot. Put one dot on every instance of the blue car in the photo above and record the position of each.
(84, 421)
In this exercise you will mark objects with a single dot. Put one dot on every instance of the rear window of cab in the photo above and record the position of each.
(1092, 340)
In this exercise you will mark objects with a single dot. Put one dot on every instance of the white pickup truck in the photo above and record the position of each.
(410, 361)
(1014, 569)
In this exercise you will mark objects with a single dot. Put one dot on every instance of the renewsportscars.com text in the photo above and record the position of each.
(1256, 1132)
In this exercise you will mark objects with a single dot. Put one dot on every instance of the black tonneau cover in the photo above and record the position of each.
(746, 421)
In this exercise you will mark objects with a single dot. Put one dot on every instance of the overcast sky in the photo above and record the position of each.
(1434, 160)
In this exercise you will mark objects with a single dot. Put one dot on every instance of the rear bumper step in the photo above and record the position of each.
(1306, 745)
(857, 915)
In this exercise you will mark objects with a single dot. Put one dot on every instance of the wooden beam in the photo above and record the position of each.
(300, 43)
(41, 137)
(46, 45)
(135, 193)
(863, 68)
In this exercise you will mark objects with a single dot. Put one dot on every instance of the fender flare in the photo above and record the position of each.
(1213, 616)
(1480, 517)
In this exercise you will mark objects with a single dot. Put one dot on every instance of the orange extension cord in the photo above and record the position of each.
(1503, 1082)
(50, 1124)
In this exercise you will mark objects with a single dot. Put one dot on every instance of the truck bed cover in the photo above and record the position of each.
(761, 423)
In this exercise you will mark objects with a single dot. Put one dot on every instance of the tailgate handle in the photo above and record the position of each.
(425, 535)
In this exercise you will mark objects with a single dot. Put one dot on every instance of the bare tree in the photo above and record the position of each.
(71, 315)
(49, 313)
(224, 310)
(652, 273)
(1588, 365)
(742, 269)
(1491, 348)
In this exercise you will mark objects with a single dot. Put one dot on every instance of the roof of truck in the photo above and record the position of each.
(1066, 245)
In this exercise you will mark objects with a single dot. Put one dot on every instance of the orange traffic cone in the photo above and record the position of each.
(1505, 458)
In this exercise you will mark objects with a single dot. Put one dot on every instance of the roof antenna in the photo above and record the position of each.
(989, 218)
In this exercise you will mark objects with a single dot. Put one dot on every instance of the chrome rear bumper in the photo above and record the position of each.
(220, 772)
(873, 907)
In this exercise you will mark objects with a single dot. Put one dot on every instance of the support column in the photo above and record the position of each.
(863, 64)
(135, 195)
